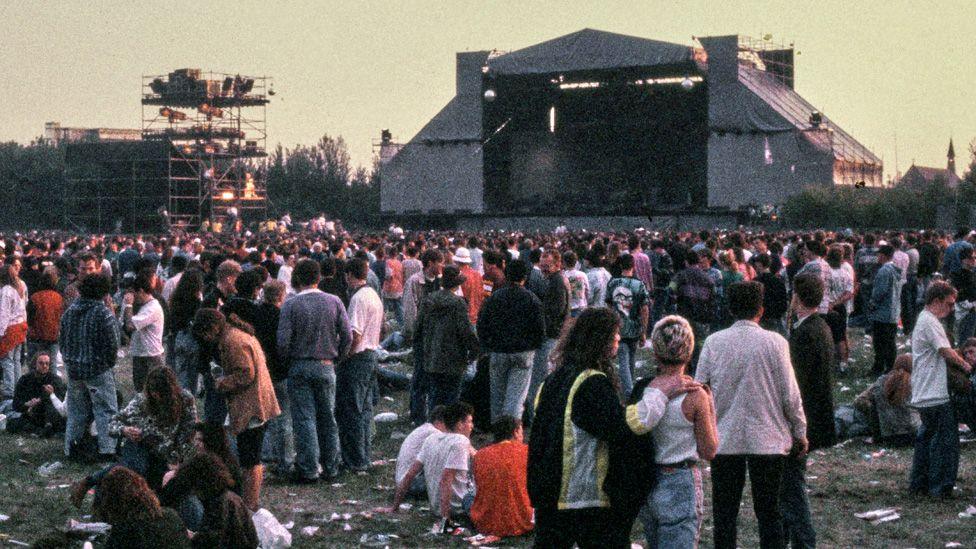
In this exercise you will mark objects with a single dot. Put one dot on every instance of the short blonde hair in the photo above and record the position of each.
(673, 340)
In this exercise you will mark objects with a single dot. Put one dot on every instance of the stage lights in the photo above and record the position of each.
(578, 85)
(227, 195)
(552, 119)
(490, 95)
(687, 84)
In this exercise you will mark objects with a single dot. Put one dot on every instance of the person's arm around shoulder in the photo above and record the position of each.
(701, 409)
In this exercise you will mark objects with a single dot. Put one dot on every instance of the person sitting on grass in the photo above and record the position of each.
(501, 505)
(138, 521)
(444, 459)
(158, 429)
(37, 398)
(410, 449)
(885, 404)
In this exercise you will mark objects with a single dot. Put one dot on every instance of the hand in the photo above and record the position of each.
(642, 340)
(168, 477)
(132, 433)
(673, 386)
(49, 389)
(33, 402)
(799, 448)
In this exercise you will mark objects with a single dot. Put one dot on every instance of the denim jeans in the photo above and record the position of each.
(419, 389)
(186, 359)
(626, 362)
(354, 408)
(279, 440)
(794, 505)
(540, 369)
(883, 337)
(445, 389)
(935, 464)
(11, 363)
(510, 376)
(661, 306)
(395, 305)
(135, 456)
(96, 398)
(214, 402)
(312, 392)
(672, 516)
(728, 480)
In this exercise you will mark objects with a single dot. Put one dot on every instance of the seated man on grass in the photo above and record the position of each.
(501, 506)
(444, 460)
(411, 447)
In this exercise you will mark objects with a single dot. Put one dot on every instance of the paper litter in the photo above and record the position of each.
(310, 530)
(97, 528)
(879, 515)
(4, 518)
(346, 527)
(49, 469)
(386, 417)
(397, 435)
(969, 512)
(377, 540)
(289, 525)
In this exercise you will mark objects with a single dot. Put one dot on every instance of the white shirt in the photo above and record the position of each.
(930, 384)
(170, 286)
(901, 260)
(13, 308)
(284, 275)
(147, 340)
(446, 451)
(366, 318)
(410, 449)
(757, 400)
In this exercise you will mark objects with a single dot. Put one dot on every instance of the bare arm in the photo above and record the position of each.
(706, 428)
(955, 360)
(404, 485)
(445, 492)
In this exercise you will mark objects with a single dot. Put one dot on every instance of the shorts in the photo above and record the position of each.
(249, 442)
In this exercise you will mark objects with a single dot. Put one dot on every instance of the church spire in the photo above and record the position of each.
(951, 155)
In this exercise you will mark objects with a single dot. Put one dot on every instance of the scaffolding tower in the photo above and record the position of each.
(215, 124)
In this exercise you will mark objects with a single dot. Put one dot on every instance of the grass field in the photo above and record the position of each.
(844, 480)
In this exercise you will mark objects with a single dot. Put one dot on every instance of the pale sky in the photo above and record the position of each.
(350, 68)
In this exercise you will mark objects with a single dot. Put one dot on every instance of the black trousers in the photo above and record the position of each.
(595, 528)
(728, 480)
(883, 337)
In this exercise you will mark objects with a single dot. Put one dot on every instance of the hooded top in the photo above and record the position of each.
(444, 339)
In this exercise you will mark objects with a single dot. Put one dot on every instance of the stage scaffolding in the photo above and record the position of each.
(215, 127)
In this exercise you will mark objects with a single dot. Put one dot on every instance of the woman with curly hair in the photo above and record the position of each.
(183, 305)
(584, 498)
(138, 521)
(157, 430)
(246, 383)
(226, 521)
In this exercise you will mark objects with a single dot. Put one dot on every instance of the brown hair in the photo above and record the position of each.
(125, 496)
(8, 277)
(164, 398)
(587, 342)
(898, 387)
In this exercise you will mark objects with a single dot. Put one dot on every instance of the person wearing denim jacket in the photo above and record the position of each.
(885, 310)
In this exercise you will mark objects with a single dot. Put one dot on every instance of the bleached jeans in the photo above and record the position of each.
(91, 398)
(672, 516)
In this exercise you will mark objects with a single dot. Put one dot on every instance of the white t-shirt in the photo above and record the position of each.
(366, 318)
(579, 288)
(147, 340)
(446, 451)
(170, 286)
(930, 385)
(410, 449)
(840, 283)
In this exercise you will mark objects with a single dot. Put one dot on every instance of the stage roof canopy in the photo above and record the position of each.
(590, 49)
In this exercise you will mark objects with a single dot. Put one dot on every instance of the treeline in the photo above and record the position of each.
(305, 181)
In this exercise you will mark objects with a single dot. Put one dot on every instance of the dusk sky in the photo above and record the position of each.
(878, 69)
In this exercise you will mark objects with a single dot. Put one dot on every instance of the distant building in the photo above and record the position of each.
(924, 175)
(55, 134)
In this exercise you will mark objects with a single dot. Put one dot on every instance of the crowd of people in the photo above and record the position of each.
(267, 349)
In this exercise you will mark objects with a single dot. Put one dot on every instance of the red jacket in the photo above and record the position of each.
(44, 316)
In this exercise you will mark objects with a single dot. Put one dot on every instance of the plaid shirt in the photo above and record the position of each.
(89, 338)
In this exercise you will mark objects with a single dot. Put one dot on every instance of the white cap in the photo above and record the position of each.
(462, 255)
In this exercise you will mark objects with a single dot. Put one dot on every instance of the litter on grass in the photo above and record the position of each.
(49, 469)
(969, 512)
(397, 435)
(386, 417)
(377, 540)
(97, 528)
(4, 518)
(309, 531)
(879, 515)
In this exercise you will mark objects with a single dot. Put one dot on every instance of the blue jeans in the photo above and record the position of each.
(510, 374)
(626, 362)
(11, 363)
(395, 305)
(540, 369)
(214, 403)
(935, 464)
(312, 392)
(186, 359)
(661, 306)
(672, 516)
(135, 456)
(96, 398)
(354, 408)
(445, 389)
(279, 440)
(419, 388)
(794, 504)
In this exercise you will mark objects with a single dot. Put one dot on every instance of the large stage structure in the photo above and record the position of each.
(200, 158)
(595, 128)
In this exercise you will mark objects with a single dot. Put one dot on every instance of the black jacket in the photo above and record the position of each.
(31, 386)
(555, 304)
(444, 341)
(775, 298)
(511, 321)
(812, 354)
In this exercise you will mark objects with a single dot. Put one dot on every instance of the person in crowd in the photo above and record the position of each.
(964, 281)
(356, 374)
(410, 449)
(44, 308)
(776, 300)
(884, 304)
(597, 278)
(177, 267)
(686, 435)
(279, 440)
(630, 299)
(445, 460)
(244, 301)
(157, 431)
(226, 519)
(935, 463)
(811, 353)
(501, 504)
(578, 413)
(37, 398)
(418, 286)
(494, 275)
(885, 402)
(88, 264)
(444, 341)
(138, 521)
(473, 288)
(555, 310)
(643, 269)
(313, 334)
(144, 327)
(755, 433)
(814, 263)
(393, 285)
(183, 306)
(247, 384)
(866, 266)
(662, 268)
(13, 326)
(511, 327)
(950, 258)
(89, 343)
(840, 292)
(579, 284)
(728, 275)
(695, 299)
